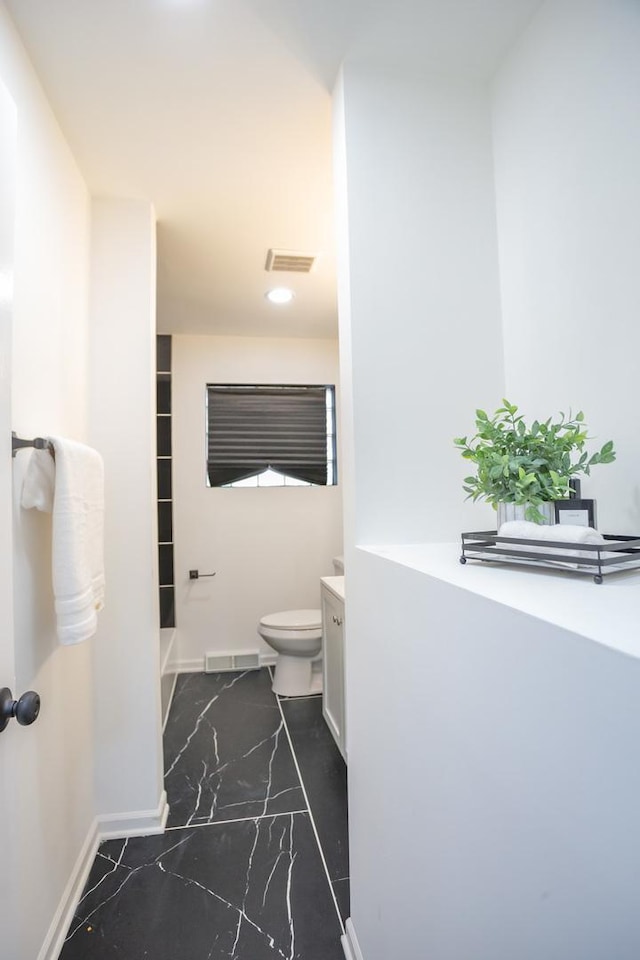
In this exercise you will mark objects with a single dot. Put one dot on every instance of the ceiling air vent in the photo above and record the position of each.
(290, 261)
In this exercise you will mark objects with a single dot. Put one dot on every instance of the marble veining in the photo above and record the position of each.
(239, 891)
(324, 774)
(226, 753)
(238, 875)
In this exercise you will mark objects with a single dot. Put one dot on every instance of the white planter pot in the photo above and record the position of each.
(517, 511)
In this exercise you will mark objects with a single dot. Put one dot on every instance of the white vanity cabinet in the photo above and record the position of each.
(333, 632)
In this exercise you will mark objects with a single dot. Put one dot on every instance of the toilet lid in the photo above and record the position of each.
(293, 620)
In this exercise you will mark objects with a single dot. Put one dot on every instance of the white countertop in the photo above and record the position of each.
(608, 613)
(335, 585)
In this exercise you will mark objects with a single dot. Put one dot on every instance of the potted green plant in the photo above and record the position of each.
(530, 466)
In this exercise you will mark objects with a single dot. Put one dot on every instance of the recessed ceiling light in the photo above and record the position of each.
(279, 295)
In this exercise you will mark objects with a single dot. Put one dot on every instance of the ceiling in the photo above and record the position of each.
(219, 112)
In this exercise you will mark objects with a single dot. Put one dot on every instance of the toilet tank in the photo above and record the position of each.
(338, 566)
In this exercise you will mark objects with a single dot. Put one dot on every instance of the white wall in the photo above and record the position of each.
(10, 745)
(122, 427)
(567, 152)
(468, 680)
(268, 546)
(341, 201)
(52, 808)
(505, 821)
(415, 170)
(421, 340)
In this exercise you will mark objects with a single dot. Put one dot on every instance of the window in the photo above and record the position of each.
(271, 435)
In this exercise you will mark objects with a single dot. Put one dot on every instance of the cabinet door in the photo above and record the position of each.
(333, 667)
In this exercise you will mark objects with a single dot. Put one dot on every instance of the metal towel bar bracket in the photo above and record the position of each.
(17, 443)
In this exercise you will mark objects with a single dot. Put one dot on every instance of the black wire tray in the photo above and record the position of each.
(618, 554)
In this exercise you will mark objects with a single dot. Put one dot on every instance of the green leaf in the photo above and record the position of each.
(517, 463)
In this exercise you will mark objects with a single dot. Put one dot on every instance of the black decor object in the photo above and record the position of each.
(576, 510)
(581, 513)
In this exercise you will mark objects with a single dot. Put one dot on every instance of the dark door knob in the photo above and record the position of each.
(25, 710)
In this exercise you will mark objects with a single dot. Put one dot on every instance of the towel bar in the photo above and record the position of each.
(17, 443)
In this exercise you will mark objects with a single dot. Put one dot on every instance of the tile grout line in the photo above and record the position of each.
(222, 823)
(261, 816)
(313, 823)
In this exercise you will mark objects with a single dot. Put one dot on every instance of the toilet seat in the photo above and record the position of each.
(293, 625)
(293, 620)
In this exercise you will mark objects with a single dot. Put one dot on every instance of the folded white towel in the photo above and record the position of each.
(72, 487)
(565, 532)
(553, 534)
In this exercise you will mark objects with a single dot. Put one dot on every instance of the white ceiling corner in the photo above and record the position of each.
(219, 112)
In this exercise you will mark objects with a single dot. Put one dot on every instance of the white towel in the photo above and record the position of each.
(72, 488)
(565, 532)
(39, 482)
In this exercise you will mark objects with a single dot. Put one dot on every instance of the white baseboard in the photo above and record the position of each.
(141, 823)
(180, 665)
(59, 926)
(350, 945)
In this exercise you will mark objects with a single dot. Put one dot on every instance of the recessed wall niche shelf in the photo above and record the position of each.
(165, 487)
(618, 554)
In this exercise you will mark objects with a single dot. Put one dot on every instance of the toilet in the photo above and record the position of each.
(296, 635)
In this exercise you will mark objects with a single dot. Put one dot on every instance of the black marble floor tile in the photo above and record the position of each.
(226, 751)
(253, 890)
(341, 892)
(324, 774)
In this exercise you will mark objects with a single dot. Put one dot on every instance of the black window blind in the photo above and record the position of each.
(252, 428)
